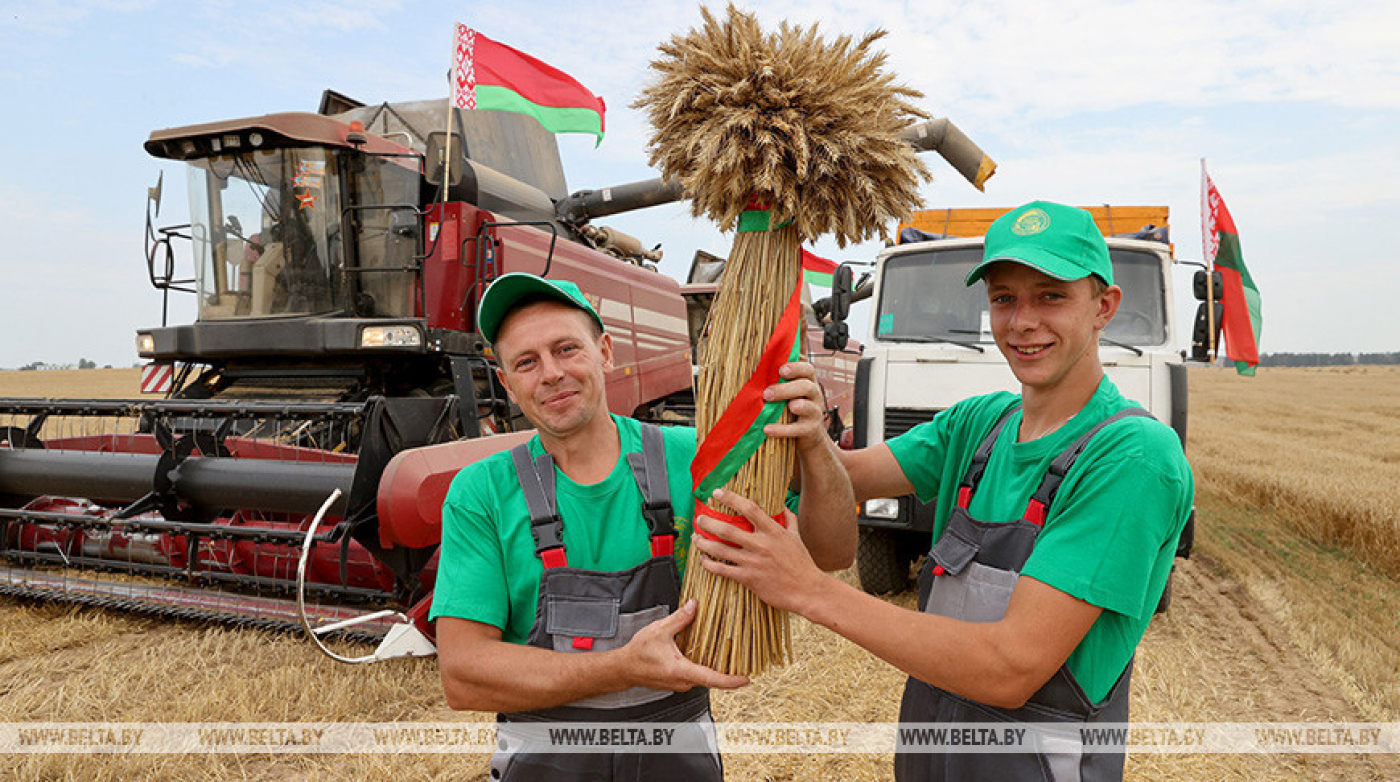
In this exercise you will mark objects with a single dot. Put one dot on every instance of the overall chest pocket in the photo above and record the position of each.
(610, 629)
(979, 593)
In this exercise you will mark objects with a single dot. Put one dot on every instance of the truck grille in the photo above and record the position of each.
(898, 420)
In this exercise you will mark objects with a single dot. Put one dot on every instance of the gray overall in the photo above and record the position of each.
(589, 610)
(969, 574)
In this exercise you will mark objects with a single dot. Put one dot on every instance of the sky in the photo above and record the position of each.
(1294, 105)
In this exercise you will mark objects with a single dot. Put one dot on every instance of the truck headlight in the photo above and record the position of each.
(391, 337)
(145, 344)
(883, 508)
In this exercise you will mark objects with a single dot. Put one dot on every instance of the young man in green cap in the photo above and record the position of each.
(557, 595)
(1057, 518)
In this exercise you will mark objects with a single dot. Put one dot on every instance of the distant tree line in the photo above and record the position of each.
(82, 364)
(1326, 359)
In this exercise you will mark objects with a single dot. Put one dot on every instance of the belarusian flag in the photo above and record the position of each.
(817, 270)
(1240, 297)
(493, 76)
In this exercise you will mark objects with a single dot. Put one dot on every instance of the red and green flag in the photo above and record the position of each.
(817, 270)
(1242, 320)
(492, 76)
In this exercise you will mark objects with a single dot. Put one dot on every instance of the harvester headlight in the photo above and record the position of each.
(391, 337)
(883, 508)
(145, 344)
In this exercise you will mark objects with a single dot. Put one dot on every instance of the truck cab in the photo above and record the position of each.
(931, 346)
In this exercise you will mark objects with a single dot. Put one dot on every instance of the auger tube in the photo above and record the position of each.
(252, 484)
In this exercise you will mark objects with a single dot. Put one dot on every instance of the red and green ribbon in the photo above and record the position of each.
(732, 519)
(738, 433)
(758, 217)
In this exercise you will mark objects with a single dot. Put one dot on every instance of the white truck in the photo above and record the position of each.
(930, 345)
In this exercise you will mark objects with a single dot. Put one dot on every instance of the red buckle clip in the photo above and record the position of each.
(583, 643)
(554, 557)
(1035, 513)
(938, 570)
(964, 496)
(663, 545)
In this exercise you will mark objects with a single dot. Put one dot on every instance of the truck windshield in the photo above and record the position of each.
(922, 296)
(266, 230)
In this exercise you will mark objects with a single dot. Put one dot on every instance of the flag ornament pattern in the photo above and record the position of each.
(464, 68)
(492, 76)
(1240, 296)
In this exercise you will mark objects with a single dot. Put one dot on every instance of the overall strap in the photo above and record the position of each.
(1039, 506)
(979, 460)
(649, 468)
(536, 478)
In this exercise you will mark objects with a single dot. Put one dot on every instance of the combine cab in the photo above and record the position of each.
(333, 372)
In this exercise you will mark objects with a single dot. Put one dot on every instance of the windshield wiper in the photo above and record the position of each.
(1115, 343)
(932, 341)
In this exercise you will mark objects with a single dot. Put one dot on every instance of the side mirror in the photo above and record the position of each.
(840, 293)
(1201, 338)
(835, 335)
(1208, 288)
(1199, 286)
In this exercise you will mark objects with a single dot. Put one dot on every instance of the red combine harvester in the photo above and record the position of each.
(334, 365)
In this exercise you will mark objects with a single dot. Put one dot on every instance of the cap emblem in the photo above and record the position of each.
(1032, 222)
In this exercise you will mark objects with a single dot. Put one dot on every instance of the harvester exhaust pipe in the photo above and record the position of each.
(942, 136)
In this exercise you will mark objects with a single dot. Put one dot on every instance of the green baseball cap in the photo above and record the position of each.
(509, 289)
(1060, 240)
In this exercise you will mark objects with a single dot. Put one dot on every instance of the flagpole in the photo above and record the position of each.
(451, 101)
(447, 149)
(1207, 229)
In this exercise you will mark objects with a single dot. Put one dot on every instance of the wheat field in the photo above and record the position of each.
(1273, 619)
(1319, 446)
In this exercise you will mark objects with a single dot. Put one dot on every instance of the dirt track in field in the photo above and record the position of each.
(1223, 655)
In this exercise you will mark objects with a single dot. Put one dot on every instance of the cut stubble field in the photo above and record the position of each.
(1288, 612)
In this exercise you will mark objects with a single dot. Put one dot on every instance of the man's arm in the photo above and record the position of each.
(831, 480)
(828, 530)
(481, 672)
(999, 663)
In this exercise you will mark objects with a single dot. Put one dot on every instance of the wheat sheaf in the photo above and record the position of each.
(805, 126)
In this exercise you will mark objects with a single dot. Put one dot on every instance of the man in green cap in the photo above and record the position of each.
(1056, 520)
(557, 594)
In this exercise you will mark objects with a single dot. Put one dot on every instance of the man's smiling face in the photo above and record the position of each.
(1048, 329)
(552, 360)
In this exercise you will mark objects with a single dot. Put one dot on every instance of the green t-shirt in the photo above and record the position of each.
(1112, 531)
(488, 570)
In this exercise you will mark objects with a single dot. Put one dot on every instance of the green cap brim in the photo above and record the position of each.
(509, 289)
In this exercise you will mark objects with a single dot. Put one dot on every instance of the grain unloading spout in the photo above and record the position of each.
(588, 204)
(942, 136)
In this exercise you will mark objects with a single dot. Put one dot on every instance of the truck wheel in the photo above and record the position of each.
(882, 569)
(1166, 601)
(912, 548)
